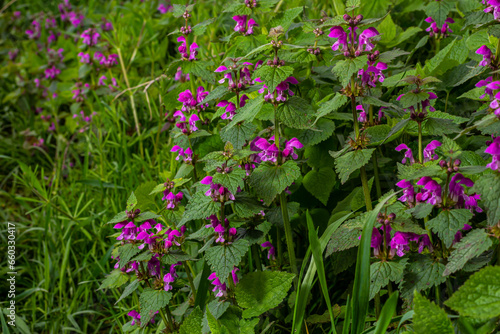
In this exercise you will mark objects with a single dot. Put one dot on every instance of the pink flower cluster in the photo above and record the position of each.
(268, 150)
(434, 30)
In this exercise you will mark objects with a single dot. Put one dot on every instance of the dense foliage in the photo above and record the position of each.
(252, 166)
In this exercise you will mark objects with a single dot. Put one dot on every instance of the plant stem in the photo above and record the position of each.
(169, 315)
(256, 257)
(366, 189)
(377, 305)
(280, 248)
(420, 151)
(190, 279)
(355, 117)
(376, 175)
(162, 314)
(132, 101)
(289, 237)
(438, 295)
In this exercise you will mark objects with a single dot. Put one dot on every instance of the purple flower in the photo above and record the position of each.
(234, 276)
(487, 55)
(425, 242)
(271, 253)
(494, 150)
(35, 31)
(106, 25)
(101, 81)
(90, 37)
(75, 19)
(183, 124)
(381, 113)
(84, 57)
(408, 153)
(183, 49)
(282, 91)
(172, 200)
(243, 26)
(490, 86)
(372, 74)
(429, 151)
(339, 33)
(220, 288)
(163, 9)
(457, 192)
(217, 191)
(13, 54)
(230, 107)
(408, 192)
(135, 316)
(187, 154)
(269, 152)
(181, 77)
(289, 146)
(167, 279)
(399, 244)
(431, 192)
(362, 115)
(52, 72)
(193, 102)
(433, 29)
(493, 7)
(365, 39)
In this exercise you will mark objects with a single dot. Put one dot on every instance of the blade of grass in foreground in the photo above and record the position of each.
(318, 260)
(387, 312)
(307, 281)
(361, 290)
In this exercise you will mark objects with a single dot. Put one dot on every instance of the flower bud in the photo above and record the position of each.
(457, 162)
(347, 17)
(392, 216)
(442, 163)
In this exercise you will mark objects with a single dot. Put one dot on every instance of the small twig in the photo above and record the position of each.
(147, 83)
(7, 6)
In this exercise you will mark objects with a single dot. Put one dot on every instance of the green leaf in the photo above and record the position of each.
(320, 182)
(417, 171)
(452, 55)
(285, 19)
(129, 289)
(261, 291)
(295, 113)
(479, 297)
(317, 252)
(270, 180)
(430, 318)
(152, 301)
(223, 258)
(199, 207)
(114, 280)
(411, 98)
(272, 76)
(192, 324)
(400, 38)
(332, 105)
(200, 28)
(361, 287)
(199, 68)
(397, 129)
(387, 313)
(322, 131)
(387, 29)
(145, 216)
(438, 10)
(489, 188)
(422, 210)
(238, 134)
(344, 69)
(422, 273)
(218, 93)
(119, 217)
(472, 245)
(126, 252)
(247, 112)
(346, 236)
(231, 180)
(448, 223)
(246, 206)
(439, 126)
(384, 271)
(352, 161)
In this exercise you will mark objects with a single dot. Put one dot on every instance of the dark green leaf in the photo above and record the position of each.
(223, 258)
(448, 223)
(352, 161)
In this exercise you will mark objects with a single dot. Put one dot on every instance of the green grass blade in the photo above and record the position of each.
(347, 318)
(318, 260)
(201, 292)
(307, 282)
(361, 290)
(387, 312)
